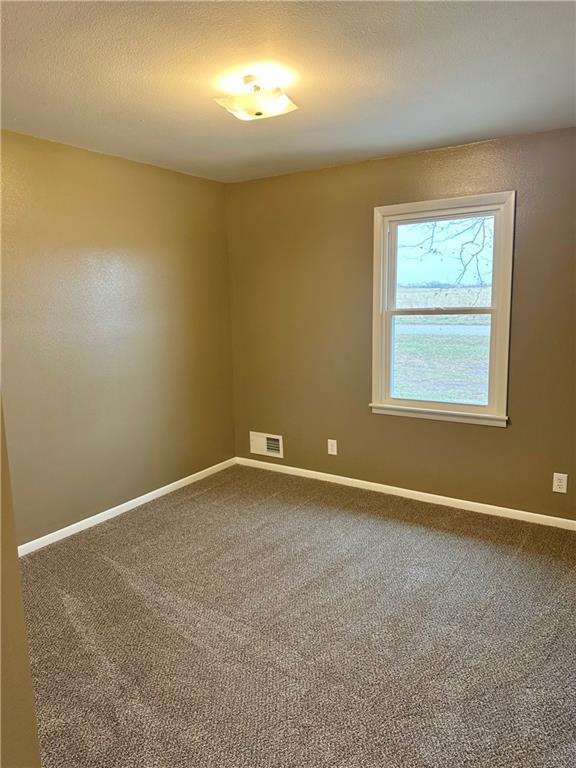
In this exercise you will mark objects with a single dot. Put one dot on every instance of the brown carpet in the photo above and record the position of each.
(256, 620)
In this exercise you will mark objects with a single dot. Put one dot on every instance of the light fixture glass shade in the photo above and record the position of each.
(257, 103)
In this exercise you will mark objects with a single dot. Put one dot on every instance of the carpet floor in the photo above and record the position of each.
(258, 620)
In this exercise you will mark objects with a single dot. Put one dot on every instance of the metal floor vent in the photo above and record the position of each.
(267, 445)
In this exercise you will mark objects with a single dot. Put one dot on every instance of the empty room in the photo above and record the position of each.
(288, 384)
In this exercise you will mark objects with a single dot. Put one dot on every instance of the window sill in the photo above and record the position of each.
(466, 417)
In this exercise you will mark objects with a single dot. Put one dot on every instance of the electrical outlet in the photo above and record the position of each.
(560, 483)
(333, 447)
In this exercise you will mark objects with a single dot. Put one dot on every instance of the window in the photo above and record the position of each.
(442, 282)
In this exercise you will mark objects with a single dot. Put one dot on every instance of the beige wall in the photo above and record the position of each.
(116, 337)
(116, 326)
(301, 259)
(19, 742)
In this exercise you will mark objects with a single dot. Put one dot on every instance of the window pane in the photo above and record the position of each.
(445, 263)
(442, 358)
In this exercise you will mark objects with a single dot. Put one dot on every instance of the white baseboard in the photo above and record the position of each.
(431, 498)
(88, 522)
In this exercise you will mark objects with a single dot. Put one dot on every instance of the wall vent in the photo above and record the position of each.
(267, 445)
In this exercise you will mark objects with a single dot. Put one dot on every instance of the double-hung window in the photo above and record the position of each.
(442, 285)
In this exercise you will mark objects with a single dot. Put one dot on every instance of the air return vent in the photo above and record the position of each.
(266, 445)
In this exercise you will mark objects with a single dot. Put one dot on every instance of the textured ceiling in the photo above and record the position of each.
(137, 79)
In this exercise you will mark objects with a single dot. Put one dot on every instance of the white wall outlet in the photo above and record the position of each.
(333, 447)
(560, 483)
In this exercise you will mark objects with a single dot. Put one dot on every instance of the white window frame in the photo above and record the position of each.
(501, 205)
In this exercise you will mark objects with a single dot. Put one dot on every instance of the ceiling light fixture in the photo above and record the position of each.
(256, 99)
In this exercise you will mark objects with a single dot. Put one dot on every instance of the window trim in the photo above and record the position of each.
(501, 205)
